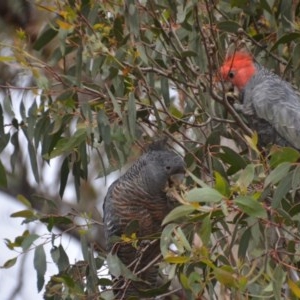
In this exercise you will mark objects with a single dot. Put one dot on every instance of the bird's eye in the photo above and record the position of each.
(168, 168)
(231, 74)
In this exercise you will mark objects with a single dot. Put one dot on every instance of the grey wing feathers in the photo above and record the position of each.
(275, 101)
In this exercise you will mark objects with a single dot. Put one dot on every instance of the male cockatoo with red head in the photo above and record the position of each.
(270, 104)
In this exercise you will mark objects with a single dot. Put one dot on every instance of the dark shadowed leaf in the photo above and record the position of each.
(45, 38)
(40, 266)
(232, 158)
(3, 179)
(244, 243)
(64, 174)
(228, 26)
(287, 38)
(60, 257)
(156, 291)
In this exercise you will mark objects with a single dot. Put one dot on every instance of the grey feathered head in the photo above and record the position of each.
(162, 166)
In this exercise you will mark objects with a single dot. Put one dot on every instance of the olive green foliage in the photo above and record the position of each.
(110, 75)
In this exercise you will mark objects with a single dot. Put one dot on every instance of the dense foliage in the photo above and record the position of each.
(106, 77)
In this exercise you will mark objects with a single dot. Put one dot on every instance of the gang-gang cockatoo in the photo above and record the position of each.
(269, 104)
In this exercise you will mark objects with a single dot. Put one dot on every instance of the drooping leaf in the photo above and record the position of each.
(244, 243)
(132, 114)
(40, 265)
(64, 174)
(3, 179)
(60, 258)
(205, 230)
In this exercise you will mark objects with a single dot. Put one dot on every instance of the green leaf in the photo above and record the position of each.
(177, 259)
(278, 173)
(115, 103)
(206, 194)
(282, 189)
(250, 206)
(66, 145)
(221, 184)
(133, 18)
(182, 239)
(56, 220)
(9, 263)
(166, 239)
(246, 177)
(24, 201)
(104, 127)
(157, 291)
(205, 230)
(46, 36)
(228, 26)
(286, 38)
(165, 90)
(40, 265)
(64, 174)
(296, 178)
(3, 179)
(177, 213)
(244, 243)
(132, 115)
(295, 287)
(226, 276)
(32, 155)
(27, 242)
(117, 268)
(232, 158)
(60, 258)
(284, 154)
(4, 139)
(27, 214)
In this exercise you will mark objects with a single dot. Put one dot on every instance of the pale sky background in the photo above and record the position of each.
(9, 278)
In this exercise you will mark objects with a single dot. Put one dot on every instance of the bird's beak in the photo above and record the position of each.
(177, 179)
